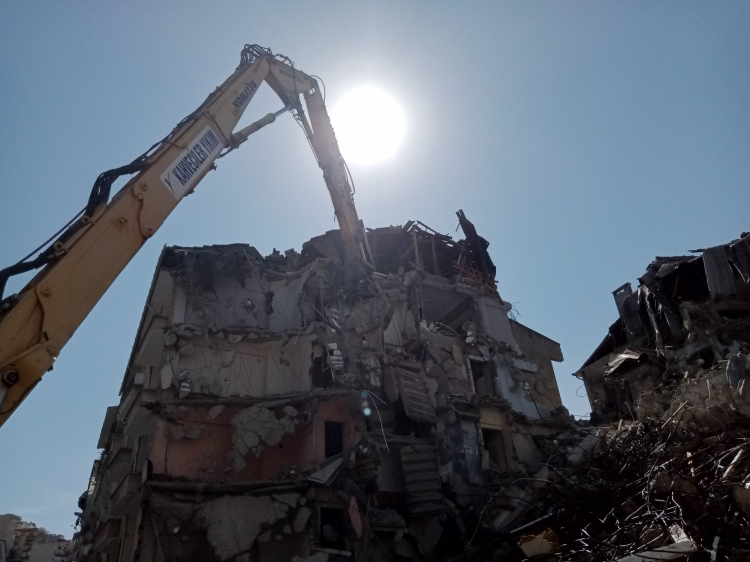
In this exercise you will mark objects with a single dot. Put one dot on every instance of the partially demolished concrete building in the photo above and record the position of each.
(268, 415)
(663, 470)
(688, 314)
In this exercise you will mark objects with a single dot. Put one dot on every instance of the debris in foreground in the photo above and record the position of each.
(669, 477)
(656, 489)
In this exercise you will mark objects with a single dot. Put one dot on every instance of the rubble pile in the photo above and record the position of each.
(661, 486)
(663, 472)
(665, 487)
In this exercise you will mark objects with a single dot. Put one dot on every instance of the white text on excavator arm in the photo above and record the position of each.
(82, 263)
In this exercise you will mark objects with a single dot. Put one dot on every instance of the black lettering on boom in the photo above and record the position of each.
(245, 94)
(178, 175)
(194, 158)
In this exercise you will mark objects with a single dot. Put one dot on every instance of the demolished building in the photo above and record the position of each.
(688, 315)
(269, 413)
(663, 471)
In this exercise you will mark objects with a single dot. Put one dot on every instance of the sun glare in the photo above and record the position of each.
(369, 125)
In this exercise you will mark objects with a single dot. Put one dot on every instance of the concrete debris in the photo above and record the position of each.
(256, 426)
(650, 490)
(214, 411)
(280, 509)
(427, 534)
(543, 544)
(233, 523)
(265, 537)
(300, 521)
(288, 499)
(194, 432)
(405, 549)
(238, 463)
(387, 518)
(329, 533)
(283, 412)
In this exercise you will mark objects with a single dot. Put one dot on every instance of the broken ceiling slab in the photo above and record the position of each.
(718, 272)
(628, 358)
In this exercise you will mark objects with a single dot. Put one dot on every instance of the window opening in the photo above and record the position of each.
(320, 372)
(494, 444)
(482, 381)
(334, 436)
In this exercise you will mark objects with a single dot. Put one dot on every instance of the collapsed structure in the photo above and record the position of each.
(268, 414)
(663, 473)
(689, 315)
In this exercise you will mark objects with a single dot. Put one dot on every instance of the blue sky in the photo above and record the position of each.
(582, 139)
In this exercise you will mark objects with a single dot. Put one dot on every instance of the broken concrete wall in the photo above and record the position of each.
(541, 351)
(220, 323)
(257, 442)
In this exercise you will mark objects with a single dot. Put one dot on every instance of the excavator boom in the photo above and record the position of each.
(85, 260)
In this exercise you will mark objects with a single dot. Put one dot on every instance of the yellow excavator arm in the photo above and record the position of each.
(82, 263)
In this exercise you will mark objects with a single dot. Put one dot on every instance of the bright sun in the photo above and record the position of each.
(369, 125)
